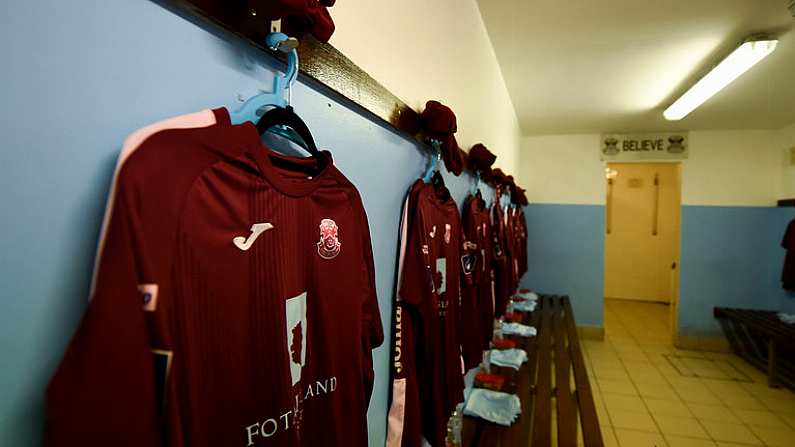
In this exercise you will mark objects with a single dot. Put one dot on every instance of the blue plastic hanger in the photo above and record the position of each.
(436, 156)
(476, 186)
(505, 199)
(251, 110)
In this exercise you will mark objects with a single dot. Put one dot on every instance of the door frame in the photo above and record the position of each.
(675, 266)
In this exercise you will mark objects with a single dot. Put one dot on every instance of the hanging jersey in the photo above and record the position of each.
(430, 285)
(477, 312)
(480, 284)
(521, 241)
(404, 423)
(502, 266)
(234, 305)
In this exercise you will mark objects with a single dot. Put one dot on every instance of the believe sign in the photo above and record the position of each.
(644, 146)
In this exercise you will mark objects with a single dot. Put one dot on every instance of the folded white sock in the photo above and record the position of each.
(523, 306)
(493, 406)
(529, 296)
(787, 318)
(518, 329)
(509, 358)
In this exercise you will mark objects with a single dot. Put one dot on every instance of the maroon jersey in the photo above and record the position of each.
(503, 272)
(477, 306)
(430, 286)
(788, 243)
(520, 231)
(234, 304)
(404, 428)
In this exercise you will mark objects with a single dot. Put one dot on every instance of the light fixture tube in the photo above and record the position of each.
(737, 63)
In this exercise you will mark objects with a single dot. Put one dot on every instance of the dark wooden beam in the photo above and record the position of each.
(786, 202)
(322, 65)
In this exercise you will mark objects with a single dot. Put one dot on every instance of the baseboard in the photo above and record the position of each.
(591, 332)
(710, 343)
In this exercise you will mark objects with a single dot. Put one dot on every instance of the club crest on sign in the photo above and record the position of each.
(329, 245)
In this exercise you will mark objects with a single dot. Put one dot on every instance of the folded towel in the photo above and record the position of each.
(528, 296)
(509, 358)
(787, 318)
(523, 306)
(493, 406)
(518, 329)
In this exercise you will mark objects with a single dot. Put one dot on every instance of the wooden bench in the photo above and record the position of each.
(758, 336)
(551, 409)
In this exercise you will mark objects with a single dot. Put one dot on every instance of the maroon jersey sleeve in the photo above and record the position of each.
(405, 411)
(104, 390)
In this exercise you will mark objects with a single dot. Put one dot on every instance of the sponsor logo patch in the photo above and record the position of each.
(329, 245)
(468, 263)
(295, 316)
(244, 243)
(149, 296)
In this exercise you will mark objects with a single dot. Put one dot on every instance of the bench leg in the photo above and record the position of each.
(771, 364)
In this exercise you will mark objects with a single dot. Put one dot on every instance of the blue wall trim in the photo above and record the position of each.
(731, 256)
(566, 256)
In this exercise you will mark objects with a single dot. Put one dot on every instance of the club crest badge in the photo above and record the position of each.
(447, 233)
(329, 245)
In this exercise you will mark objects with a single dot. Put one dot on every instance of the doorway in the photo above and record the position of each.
(643, 214)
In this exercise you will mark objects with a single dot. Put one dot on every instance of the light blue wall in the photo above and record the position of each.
(77, 78)
(731, 257)
(566, 256)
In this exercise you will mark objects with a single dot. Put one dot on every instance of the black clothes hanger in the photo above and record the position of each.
(437, 181)
(287, 117)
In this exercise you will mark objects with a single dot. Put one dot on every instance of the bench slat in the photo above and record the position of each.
(762, 321)
(567, 412)
(543, 403)
(557, 335)
(591, 433)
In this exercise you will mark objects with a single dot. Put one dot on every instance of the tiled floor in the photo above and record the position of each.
(649, 393)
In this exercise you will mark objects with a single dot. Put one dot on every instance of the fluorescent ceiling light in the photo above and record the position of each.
(737, 63)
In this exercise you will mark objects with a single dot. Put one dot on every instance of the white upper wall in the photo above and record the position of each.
(422, 50)
(562, 169)
(732, 168)
(725, 168)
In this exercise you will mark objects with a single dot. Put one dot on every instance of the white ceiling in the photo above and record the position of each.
(614, 65)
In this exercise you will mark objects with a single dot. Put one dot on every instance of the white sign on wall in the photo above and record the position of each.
(644, 146)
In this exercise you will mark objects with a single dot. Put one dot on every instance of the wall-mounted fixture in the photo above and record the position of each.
(738, 62)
